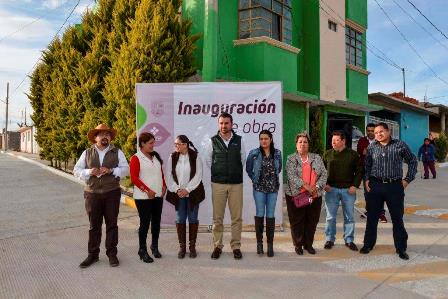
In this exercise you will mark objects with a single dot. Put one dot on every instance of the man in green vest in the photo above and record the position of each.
(226, 155)
(101, 166)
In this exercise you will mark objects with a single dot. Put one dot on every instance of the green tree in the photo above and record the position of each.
(158, 49)
(441, 147)
(317, 146)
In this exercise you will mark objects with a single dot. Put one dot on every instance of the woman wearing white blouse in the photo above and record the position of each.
(185, 191)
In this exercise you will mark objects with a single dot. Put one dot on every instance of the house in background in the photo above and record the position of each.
(437, 121)
(11, 140)
(315, 48)
(407, 119)
(28, 142)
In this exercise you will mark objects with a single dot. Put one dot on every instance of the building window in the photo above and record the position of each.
(332, 26)
(270, 18)
(353, 47)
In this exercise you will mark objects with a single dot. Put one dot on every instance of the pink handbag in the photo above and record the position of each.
(302, 200)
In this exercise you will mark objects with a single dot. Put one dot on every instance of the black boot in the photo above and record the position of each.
(270, 228)
(144, 256)
(259, 227)
(182, 236)
(155, 248)
(91, 259)
(192, 236)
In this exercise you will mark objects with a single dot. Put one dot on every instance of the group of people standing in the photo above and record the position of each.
(308, 176)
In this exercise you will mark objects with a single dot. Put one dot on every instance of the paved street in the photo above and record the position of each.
(43, 237)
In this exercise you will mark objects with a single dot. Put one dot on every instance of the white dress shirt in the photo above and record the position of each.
(183, 174)
(209, 150)
(80, 171)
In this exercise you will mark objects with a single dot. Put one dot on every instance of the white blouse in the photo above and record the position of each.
(183, 174)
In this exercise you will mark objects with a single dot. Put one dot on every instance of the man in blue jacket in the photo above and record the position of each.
(426, 154)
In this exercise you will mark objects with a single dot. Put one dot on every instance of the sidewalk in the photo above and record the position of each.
(45, 264)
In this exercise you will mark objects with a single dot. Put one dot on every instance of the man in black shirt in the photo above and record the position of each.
(385, 183)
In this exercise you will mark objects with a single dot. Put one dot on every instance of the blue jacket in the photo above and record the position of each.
(254, 163)
(427, 153)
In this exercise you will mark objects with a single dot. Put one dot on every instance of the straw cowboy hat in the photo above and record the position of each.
(101, 128)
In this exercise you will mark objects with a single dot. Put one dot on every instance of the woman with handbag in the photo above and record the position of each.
(263, 165)
(185, 192)
(146, 173)
(305, 179)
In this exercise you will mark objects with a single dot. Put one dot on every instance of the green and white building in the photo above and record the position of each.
(315, 47)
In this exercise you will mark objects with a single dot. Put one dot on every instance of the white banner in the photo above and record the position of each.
(192, 109)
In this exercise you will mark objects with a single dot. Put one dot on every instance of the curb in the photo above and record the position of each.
(125, 198)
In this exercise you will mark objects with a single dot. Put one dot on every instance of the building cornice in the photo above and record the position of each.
(357, 69)
(268, 40)
(355, 25)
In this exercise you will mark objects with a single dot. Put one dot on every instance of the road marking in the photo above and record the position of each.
(367, 263)
(433, 287)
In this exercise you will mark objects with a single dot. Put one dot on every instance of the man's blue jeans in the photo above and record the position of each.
(184, 211)
(265, 201)
(347, 200)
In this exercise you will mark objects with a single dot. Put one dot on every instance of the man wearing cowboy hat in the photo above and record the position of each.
(101, 166)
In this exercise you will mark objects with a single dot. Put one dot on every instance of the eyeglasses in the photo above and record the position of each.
(103, 134)
(178, 144)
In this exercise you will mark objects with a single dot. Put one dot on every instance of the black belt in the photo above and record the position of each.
(384, 180)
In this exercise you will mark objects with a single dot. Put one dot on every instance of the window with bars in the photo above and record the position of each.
(353, 47)
(270, 18)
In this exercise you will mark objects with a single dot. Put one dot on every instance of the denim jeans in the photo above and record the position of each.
(184, 211)
(347, 200)
(265, 201)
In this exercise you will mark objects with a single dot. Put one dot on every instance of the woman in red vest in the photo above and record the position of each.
(149, 189)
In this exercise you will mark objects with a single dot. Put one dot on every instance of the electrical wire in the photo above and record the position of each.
(427, 19)
(410, 44)
(421, 26)
(55, 36)
(384, 59)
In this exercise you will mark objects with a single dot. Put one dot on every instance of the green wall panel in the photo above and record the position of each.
(310, 55)
(356, 87)
(194, 10)
(356, 10)
(295, 120)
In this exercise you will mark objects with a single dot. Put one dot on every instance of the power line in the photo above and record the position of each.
(410, 44)
(421, 26)
(385, 58)
(55, 36)
(416, 8)
(20, 29)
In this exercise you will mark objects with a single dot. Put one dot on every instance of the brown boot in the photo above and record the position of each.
(182, 236)
(192, 235)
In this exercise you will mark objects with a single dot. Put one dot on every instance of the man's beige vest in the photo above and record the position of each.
(107, 182)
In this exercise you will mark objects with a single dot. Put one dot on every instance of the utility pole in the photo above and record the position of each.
(404, 83)
(6, 122)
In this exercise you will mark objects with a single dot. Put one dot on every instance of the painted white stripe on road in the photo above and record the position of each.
(373, 262)
(433, 287)
(432, 212)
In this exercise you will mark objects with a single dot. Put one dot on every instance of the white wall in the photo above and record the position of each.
(332, 53)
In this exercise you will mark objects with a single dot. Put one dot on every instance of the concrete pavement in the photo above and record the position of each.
(44, 237)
